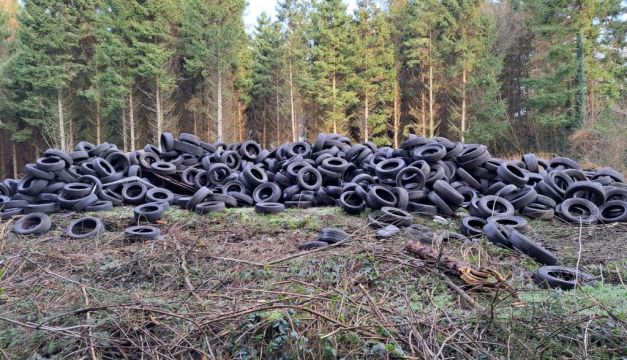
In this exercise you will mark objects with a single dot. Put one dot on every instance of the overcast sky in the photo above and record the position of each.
(256, 7)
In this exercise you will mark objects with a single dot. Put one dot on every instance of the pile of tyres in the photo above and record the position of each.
(427, 176)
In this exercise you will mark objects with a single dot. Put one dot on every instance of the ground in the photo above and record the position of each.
(232, 285)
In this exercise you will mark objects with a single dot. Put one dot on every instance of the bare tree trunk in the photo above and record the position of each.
(14, 157)
(263, 136)
(98, 124)
(240, 122)
(219, 106)
(277, 114)
(431, 120)
(366, 116)
(124, 131)
(334, 118)
(195, 123)
(423, 112)
(396, 110)
(463, 124)
(292, 114)
(3, 160)
(158, 108)
(61, 121)
(131, 119)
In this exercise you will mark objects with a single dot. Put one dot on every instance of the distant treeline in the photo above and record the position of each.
(542, 75)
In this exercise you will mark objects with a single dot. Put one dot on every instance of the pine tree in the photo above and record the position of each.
(292, 14)
(375, 74)
(212, 35)
(267, 82)
(45, 66)
(332, 59)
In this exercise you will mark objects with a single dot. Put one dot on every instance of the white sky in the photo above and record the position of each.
(256, 7)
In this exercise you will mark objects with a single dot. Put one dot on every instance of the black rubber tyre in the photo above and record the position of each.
(380, 196)
(562, 277)
(206, 207)
(188, 148)
(269, 207)
(396, 216)
(159, 195)
(420, 208)
(46, 208)
(253, 176)
(389, 168)
(332, 236)
(228, 200)
(31, 186)
(32, 170)
(310, 245)
(430, 153)
(613, 211)
(411, 178)
(497, 234)
(309, 178)
(468, 178)
(491, 205)
(521, 198)
(102, 167)
(588, 190)
(472, 225)
(50, 163)
(142, 232)
(100, 205)
(538, 211)
(511, 221)
(531, 162)
(530, 248)
(78, 189)
(163, 168)
(32, 224)
(150, 212)
(440, 204)
(578, 210)
(352, 203)
(86, 201)
(60, 154)
(512, 174)
(110, 195)
(134, 193)
(84, 228)
(561, 163)
(448, 193)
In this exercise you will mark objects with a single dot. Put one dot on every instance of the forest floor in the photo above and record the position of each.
(232, 285)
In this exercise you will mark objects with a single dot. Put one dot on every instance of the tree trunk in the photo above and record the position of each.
(396, 108)
(131, 120)
(277, 114)
(219, 124)
(61, 121)
(14, 157)
(263, 135)
(158, 108)
(423, 112)
(240, 122)
(431, 120)
(292, 114)
(333, 112)
(98, 124)
(3, 160)
(366, 115)
(124, 131)
(463, 125)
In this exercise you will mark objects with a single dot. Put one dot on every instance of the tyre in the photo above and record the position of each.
(491, 205)
(206, 207)
(561, 277)
(577, 210)
(84, 228)
(268, 207)
(332, 236)
(352, 203)
(472, 225)
(447, 193)
(142, 232)
(497, 234)
(150, 212)
(134, 193)
(511, 221)
(512, 174)
(440, 204)
(411, 178)
(380, 196)
(159, 195)
(395, 216)
(310, 245)
(32, 224)
(530, 248)
(613, 211)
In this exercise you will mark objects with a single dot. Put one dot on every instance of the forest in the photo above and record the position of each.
(539, 75)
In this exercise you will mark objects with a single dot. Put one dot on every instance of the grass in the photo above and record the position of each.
(232, 285)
